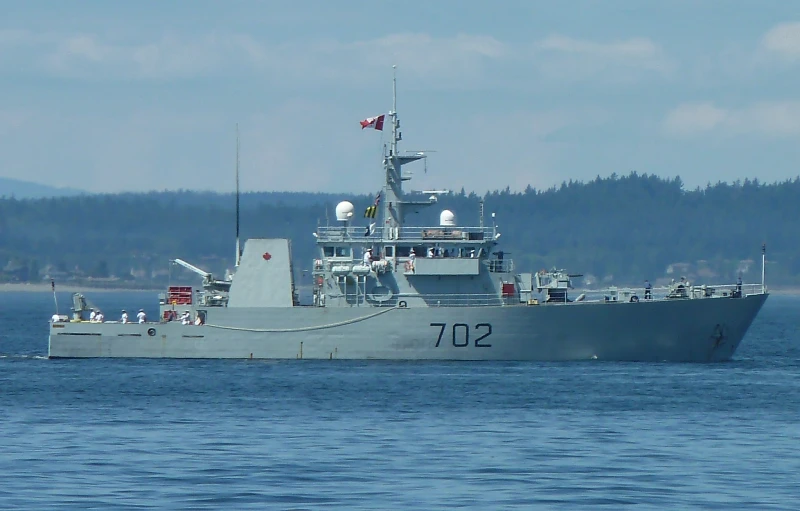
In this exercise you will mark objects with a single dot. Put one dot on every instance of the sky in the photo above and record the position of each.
(135, 96)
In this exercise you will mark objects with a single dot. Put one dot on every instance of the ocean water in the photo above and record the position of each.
(161, 434)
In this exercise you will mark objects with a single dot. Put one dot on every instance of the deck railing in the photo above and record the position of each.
(590, 295)
(406, 233)
(627, 294)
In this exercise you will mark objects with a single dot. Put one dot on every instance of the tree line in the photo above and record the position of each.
(617, 230)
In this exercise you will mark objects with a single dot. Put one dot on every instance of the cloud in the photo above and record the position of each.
(694, 118)
(569, 57)
(422, 54)
(11, 120)
(637, 49)
(784, 40)
(772, 119)
(461, 60)
(170, 57)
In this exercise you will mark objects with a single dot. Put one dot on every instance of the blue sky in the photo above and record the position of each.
(112, 96)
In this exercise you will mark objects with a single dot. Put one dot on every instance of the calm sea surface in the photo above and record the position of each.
(136, 434)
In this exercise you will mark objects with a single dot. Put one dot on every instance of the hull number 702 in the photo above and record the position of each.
(459, 334)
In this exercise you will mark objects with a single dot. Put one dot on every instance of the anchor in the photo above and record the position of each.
(719, 335)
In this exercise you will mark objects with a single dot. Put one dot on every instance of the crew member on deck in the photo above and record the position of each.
(99, 318)
(124, 318)
(368, 257)
(141, 316)
(92, 316)
(648, 288)
(186, 318)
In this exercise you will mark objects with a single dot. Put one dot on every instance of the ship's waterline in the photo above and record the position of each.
(675, 330)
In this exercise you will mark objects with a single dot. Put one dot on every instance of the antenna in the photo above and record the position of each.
(238, 248)
(480, 210)
(393, 150)
(763, 267)
(55, 299)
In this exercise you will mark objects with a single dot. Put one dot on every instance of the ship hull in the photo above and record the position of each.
(682, 330)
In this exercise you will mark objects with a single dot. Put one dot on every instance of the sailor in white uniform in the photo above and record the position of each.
(186, 318)
(368, 257)
(92, 316)
(412, 258)
(99, 318)
(124, 318)
(141, 316)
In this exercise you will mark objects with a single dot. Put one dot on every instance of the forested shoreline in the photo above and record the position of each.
(616, 230)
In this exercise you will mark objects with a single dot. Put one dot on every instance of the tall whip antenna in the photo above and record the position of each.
(238, 249)
(53, 287)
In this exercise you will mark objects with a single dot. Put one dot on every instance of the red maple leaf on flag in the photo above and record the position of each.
(267, 256)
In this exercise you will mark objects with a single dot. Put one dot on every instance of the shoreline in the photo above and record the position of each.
(72, 288)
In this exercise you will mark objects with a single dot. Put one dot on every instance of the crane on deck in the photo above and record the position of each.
(209, 282)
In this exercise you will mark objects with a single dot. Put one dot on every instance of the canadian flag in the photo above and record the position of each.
(373, 122)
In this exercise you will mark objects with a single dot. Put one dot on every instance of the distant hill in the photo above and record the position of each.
(27, 190)
(618, 230)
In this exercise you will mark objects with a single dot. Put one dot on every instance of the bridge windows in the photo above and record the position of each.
(337, 251)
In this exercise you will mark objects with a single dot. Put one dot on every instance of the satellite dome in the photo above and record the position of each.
(344, 211)
(447, 218)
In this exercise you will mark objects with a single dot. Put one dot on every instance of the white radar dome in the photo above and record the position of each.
(344, 211)
(447, 218)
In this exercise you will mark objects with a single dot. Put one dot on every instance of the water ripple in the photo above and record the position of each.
(161, 434)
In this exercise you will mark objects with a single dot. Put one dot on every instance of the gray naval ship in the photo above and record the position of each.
(400, 292)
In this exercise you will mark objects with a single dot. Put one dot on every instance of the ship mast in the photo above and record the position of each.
(393, 196)
(392, 189)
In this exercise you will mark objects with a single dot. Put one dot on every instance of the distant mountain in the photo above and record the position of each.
(27, 190)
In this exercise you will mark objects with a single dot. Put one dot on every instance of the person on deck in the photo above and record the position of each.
(648, 288)
(124, 318)
(92, 316)
(186, 318)
(141, 316)
(99, 318)
(368, 257)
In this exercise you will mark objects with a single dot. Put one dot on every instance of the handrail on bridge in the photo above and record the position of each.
(405, 233)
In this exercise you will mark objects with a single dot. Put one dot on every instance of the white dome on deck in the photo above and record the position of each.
(447, 218)
(344, 211)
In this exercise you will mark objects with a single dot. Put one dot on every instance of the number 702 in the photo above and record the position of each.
(460, 334)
